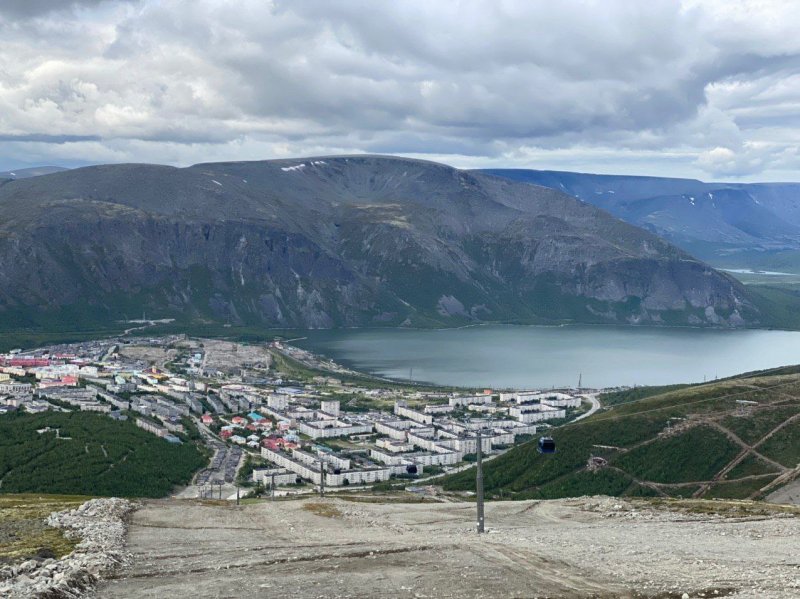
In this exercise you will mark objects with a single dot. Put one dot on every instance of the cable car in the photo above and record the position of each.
(547, 445)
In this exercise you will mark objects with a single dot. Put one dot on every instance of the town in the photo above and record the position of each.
(287, 419)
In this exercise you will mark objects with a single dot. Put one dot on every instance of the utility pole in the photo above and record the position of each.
(321, 478)
(237, 495)
(272, 487)
(479, 481)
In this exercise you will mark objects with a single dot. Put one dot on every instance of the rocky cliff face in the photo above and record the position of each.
(341, 241)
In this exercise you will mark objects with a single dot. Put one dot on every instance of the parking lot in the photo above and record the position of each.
(223, 465)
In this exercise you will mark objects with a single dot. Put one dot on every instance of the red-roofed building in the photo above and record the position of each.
(270, 444)
(207, 419)
(26, 362)
(65, 381)
(238, 420)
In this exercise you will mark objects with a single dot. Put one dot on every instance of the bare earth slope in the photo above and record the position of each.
(587, 547)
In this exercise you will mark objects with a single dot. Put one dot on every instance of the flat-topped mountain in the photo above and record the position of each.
(744, 225)
(337, 241)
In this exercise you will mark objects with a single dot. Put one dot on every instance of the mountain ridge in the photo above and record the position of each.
(338, 241)
(755, 225)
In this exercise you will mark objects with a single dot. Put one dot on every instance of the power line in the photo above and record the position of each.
(479, 481)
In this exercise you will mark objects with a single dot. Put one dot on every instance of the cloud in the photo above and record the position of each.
(580, 84)
(35, 8)
(726, 162)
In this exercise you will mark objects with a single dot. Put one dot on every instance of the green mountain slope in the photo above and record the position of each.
(336, 241)
(697, 441)
(92, 455)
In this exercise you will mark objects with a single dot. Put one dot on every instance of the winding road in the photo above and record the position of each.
(596, 405)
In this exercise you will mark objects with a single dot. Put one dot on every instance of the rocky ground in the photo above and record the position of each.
(229, 356)
(588, 547)
(99, 524)
(788, 494)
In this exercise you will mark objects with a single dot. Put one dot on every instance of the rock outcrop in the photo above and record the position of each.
(100, 526)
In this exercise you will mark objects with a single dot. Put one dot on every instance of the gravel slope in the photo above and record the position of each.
(589, 547)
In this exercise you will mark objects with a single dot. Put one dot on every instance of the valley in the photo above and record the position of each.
(680, 474)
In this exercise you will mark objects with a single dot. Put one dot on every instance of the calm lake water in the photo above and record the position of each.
(534, 356)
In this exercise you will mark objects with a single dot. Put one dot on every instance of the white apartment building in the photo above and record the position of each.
(402, 409)
(469, 400)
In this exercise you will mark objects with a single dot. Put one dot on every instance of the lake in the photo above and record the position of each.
(540, 356)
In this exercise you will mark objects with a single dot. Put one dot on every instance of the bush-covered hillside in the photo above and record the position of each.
(695, 441)
(92, 455)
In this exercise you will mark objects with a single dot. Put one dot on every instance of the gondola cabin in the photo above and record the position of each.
(547, 445)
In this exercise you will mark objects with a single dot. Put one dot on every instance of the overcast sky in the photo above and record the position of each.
(707, 89)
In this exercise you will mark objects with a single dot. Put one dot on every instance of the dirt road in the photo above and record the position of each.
(595, 547)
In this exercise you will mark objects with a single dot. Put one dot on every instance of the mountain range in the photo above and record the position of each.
(729, 225)
(339, 241)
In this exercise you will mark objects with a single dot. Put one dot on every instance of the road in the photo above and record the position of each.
(223, 467)
(147, 324)
(596, 405)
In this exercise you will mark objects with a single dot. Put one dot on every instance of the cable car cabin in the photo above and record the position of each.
(547, 445)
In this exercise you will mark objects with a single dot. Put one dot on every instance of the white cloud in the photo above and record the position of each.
(657, 86)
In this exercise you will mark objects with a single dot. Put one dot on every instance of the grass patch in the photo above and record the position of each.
(400, 497)
(23, 532)
(601, 482)
(682, 492)
(731, 509)
(617, 397)
(751, 429)
(751, 466)
(696, 455)
(737, 489)
(784, 446)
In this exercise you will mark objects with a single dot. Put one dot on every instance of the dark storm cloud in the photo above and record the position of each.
(510, 82)
(53, 139)
(33, 8)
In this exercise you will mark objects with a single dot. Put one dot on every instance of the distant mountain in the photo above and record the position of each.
(727, 224)
(36, 171)
(336, 241)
